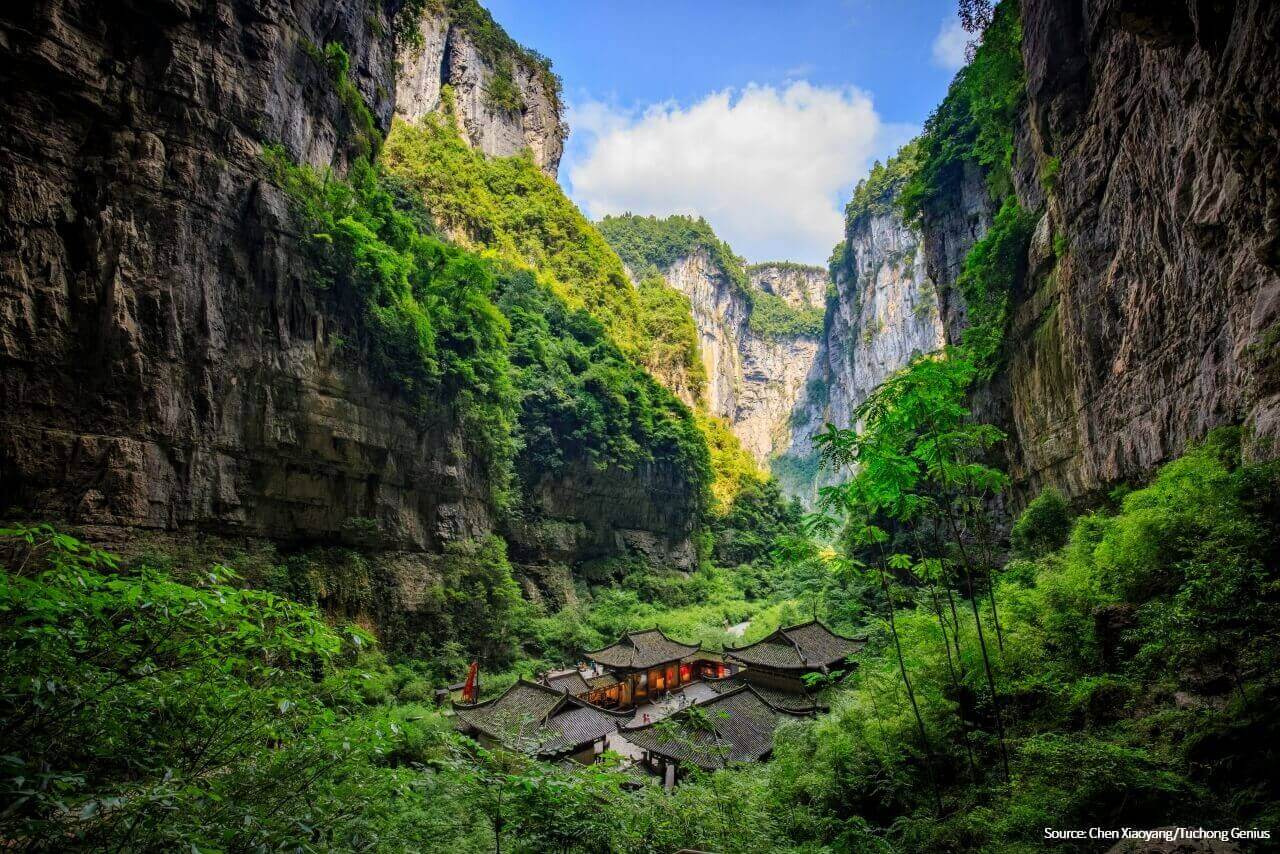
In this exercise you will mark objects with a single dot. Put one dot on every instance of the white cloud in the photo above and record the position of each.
(770, 168)
(950, 45)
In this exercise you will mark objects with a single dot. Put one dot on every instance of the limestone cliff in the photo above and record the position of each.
(504, 103)
(801, 285)
(1151, 307)
(753, 379)
(166, 362)
(884, 311)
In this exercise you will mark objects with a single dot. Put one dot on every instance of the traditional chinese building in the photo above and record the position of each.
(540, 721)
(696, 707)
(734, 727)
(782, 660)
(646, 664)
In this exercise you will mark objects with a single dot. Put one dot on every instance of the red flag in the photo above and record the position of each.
(471, 688)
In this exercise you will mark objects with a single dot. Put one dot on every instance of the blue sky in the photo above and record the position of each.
(759, 115)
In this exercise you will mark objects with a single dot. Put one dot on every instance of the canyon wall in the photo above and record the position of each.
(167, 366)
(884, 310)
(448, 56)
(753, 380)
(1150, 311)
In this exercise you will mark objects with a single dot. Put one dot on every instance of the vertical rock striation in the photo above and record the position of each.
(1151, 308)
(529, 119)
(883, 312)
(166, 362)
(753, 380)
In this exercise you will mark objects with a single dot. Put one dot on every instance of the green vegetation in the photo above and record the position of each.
(509, 209)
(581, 398)
(1049, 174)
(499, 51)
(976, 119)
(975, 124)
(1134, 675)
(875, 194)
(784, 266)
(647, 244)
(991, 269)
(427, 323)
(775, 318)
(337, 63)
(673, 337)
(1044, 526)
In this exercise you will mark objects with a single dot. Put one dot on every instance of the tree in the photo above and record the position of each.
(918, 451)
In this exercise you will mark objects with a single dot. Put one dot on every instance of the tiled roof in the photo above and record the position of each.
(807, 647)
(739, 727)
(571, 682)
(638, 650)
(604, 680)
(779, 699)
(538, 720)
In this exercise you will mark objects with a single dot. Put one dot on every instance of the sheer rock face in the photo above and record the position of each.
(720, 313)
(165, 360)
(800, 286)
(885, 311)
(753, 382)
(449, 57)
(1151, 310)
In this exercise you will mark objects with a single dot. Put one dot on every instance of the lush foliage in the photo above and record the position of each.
(363, 130)
(582, 399)
(773, 317)
(499, 51)
(1136, 674)
(976, 119)
(1044, 526)
(648, 244)
(508, 206)
(876, 194)
(673, 338)
(991, 270)
(427, 323)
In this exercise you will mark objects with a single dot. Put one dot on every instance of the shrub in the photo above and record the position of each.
(775, 318)
(1044, 526)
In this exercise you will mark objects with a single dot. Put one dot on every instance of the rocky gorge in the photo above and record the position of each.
(166, 367)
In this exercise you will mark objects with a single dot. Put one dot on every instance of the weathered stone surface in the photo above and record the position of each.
(448, 57)
(165, 361)
(1160, 318)
(885, 311)
(801, 286)
(753, 382)
(584, 513)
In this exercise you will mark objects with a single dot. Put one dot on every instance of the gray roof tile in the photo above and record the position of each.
(538, 720)
(639, 650)
(808, 647)
(738, 727)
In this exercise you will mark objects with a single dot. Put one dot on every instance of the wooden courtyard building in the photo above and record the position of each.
(647, 664)
(672, 705)
(734, 727)
(543, 722)
(782, 660)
